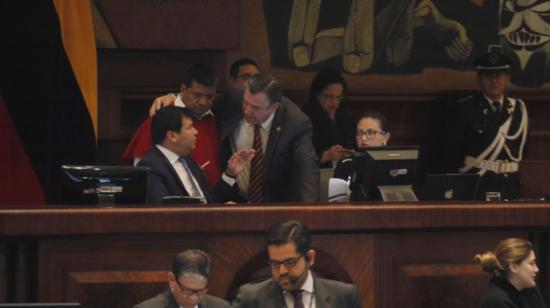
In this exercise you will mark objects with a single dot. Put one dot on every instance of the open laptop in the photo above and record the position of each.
(450, 187)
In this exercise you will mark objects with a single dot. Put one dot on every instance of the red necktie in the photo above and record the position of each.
(297, 295)
(256, 168)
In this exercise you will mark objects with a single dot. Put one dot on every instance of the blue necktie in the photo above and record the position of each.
(195, 192)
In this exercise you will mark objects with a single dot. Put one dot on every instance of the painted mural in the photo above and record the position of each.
(407, 36)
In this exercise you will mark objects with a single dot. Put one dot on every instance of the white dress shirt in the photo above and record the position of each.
(308, 295)
(243, 138)
(185, 176)
(500, 100)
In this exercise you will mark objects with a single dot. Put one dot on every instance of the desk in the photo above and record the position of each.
(400, 255)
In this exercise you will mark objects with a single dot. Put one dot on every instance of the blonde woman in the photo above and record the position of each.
(514, 270)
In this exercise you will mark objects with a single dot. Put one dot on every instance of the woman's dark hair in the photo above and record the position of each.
(377, 115)
(322, 80)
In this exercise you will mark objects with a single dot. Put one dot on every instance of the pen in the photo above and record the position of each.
(205, 164)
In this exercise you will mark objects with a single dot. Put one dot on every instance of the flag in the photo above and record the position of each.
(49, 88)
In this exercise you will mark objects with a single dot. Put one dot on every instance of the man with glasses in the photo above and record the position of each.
(196, 93)
(188, 282)
(293, 285)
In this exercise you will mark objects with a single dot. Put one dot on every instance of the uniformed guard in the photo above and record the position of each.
(490, 131)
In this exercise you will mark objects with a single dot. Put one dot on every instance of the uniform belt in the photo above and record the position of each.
(497, 166)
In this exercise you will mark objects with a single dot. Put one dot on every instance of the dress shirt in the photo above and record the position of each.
(307, 296)
(179, 103)
(185, 177)
(500, 101)
(243, 137)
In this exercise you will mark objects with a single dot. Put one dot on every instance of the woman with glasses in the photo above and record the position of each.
(514, 270)
(333, 128)
(372, 131)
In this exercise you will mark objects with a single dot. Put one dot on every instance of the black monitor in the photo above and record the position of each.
(381, 167)
(105, 184)
(41, 305)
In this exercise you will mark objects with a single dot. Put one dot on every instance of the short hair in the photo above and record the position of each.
(377, 115)
(267, 84)
(167, 119)
(509, 251)
(235, 66)
(202, 74)
(193, 262)
(322, 80)
(287, 232)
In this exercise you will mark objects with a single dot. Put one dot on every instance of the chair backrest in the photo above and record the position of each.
(324, 175)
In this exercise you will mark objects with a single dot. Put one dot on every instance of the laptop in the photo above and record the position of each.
(450, 187)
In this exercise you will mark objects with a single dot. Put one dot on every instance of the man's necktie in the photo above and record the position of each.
(195, 192)
(297, 295)
(496, 106)
(256, 168)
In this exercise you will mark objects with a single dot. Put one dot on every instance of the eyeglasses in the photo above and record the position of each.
(332, 96)
(189, 292)
(207, 96)
(288, 263)
(244, 76)
(369, 133)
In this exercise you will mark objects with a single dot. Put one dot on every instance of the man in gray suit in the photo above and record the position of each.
(288, 170)
(188, 284)
(293, 285)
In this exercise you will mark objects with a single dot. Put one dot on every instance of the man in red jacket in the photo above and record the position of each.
(197, 93)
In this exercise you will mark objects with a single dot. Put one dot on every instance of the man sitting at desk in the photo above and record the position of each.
(188, 282)
(173, 172)
(293, 284)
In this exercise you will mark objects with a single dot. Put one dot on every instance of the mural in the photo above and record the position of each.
(407, 36)
(525, 35)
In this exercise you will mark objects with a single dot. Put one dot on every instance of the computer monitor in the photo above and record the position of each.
(450, 187)
(385, 173)
(41, 305)
(105, 184)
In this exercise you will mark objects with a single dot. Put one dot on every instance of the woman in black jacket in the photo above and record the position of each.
(514, 270)
(333, 128)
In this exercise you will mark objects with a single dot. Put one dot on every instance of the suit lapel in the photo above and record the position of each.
(322, 296)
(172, 171)
(197, 174)
(275, 294)
(274, 135)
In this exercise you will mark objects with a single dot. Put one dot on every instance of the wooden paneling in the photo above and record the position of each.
(397, 255)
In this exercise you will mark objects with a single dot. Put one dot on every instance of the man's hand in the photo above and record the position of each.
(238, 161)
(161, 101)
(336, 153)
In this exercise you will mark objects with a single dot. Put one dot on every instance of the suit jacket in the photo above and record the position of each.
(474, 128)
(501, 294)
(291, 172)
(164, 180)
(268, 294)
(166, 300)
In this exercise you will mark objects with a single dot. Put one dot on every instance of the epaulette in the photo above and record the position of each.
(465, 99)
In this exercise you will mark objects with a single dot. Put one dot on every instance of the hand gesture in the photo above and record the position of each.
(238, 161)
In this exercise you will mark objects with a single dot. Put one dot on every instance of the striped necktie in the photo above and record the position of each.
(256, 167)
(297, 295)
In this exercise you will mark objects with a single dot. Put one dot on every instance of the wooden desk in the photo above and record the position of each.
(412, 255)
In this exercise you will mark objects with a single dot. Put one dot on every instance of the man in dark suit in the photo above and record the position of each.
(293, 285)
(490, 131)
(188, 283)
(280, 133)
(173, 172)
